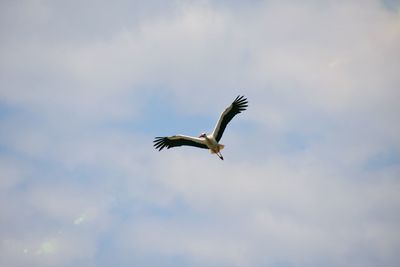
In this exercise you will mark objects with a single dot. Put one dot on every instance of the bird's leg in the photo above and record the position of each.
(220, 155)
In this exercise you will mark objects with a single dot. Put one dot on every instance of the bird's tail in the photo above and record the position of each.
(220, 147)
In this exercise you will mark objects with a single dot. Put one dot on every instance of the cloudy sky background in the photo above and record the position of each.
(311, 175)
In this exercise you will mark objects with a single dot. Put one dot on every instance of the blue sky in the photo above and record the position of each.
(312, 169)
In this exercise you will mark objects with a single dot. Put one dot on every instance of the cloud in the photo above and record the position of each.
(310, 176)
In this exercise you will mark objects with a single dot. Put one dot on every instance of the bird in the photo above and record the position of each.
(206, 141)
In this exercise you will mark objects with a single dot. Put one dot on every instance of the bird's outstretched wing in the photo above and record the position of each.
(238, 105)
(178, 140)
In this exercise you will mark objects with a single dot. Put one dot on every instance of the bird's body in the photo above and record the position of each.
(205, 141)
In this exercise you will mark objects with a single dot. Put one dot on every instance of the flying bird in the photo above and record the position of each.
(206, 141)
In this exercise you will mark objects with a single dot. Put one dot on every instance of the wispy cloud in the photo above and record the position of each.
(311, 170)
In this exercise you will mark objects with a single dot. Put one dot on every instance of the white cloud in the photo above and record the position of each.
(81, 185)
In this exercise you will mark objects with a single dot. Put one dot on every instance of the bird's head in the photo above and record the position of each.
(203, 135)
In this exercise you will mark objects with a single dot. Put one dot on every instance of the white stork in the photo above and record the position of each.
(206, 141)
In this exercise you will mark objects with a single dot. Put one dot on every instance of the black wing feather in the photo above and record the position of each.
(161, 142)
(238, 105)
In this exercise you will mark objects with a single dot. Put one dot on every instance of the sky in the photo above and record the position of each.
(311, 175)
